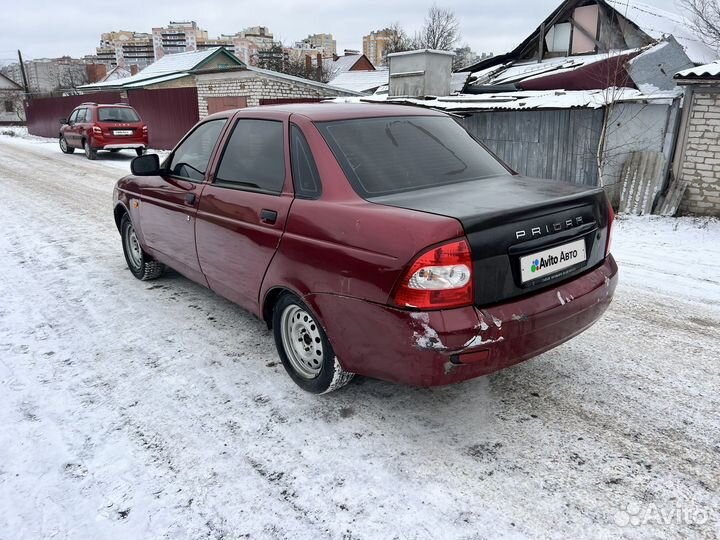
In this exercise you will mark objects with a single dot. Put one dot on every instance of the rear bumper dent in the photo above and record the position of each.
(443, 347)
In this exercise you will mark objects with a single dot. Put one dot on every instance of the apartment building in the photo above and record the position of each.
(314, 43)
(125, 48)
(374, 45)
(177, 37)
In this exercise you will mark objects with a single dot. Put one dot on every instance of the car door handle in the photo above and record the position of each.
(268, 216)
(190, 199)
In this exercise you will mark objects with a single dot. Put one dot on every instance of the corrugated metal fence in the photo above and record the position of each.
(43, 114)
(556, 144)
(169, 113)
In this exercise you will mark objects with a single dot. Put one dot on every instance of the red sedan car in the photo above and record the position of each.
(378, 240)
(94, 127)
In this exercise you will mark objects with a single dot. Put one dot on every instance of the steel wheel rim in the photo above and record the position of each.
(63, 144)
(302, 341)
(133, 248)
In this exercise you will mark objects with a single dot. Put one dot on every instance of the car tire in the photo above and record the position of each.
(140, 151)
(304, 348)
(139, 263)
(65, 148)
(90, 152)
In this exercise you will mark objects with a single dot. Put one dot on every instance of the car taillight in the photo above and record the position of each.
(97, 130)
(440, 278)
(144, 130)
(611, 222)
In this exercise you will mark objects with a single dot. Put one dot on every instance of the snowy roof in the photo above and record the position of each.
(309, 82)
(530, 100)
(361, 81)
(162, 79)
(658, 23)
(343, 64)
(168, 64)
(511, 73)
(708, 71)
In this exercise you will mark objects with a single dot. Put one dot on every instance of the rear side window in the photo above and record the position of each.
(190, 159)
(306, 179)
(117, 114)
(254, 158)
(395, 154)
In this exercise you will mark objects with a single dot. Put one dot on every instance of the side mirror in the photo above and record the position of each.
(147, 165)
(63, 121)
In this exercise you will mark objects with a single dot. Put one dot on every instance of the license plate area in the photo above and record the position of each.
(122, 132)
(548, 263)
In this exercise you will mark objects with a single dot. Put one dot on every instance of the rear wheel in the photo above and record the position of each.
(304, 348)
(65, 147)
(141, 266)
(90, 152)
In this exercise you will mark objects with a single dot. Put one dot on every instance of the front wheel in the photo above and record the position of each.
(65, 147)
(304, 348)
(141, 266)
(90, 152)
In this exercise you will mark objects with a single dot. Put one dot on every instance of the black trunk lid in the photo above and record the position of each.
(507, 218)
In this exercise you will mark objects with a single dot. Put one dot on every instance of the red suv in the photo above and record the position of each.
(94, 127)
(373, 239)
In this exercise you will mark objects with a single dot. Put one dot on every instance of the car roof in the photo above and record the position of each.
(324, 112)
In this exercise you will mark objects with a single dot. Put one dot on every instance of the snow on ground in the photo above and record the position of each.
(159, 410)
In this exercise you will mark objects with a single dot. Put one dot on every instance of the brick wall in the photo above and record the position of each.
(256, 86)
(701, 158)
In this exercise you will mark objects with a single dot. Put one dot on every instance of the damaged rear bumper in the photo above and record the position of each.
(443, 347)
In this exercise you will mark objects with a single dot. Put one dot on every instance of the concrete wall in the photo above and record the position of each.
(420, 73)
(256, 86)
(700, 153)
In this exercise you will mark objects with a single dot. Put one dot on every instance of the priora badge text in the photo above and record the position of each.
(555, 227)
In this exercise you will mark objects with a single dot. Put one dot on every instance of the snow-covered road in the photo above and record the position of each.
(132, 410)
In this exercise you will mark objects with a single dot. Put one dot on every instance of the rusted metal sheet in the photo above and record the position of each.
(169, 113)
(43, 114)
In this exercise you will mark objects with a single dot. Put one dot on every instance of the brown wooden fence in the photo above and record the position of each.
(169, 113)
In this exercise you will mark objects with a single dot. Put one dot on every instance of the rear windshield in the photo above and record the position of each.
(117, 114)
(404, 153)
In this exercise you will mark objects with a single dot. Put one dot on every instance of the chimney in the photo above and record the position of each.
(319, 68)
(96, 72)
(134, 69)
(424, 72)
(308, 63)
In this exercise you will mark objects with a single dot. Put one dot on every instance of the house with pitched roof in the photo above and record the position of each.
(11, 97)
(595, 44)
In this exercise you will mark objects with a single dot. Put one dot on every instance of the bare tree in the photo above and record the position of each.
(398, 41)
(275, 58)
(441, 30)
(704, 18)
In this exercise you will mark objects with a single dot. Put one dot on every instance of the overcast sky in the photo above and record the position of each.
(51, 28)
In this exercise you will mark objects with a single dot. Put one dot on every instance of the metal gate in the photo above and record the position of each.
(169, 113)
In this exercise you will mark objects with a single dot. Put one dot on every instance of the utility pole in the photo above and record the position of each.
(24, 75)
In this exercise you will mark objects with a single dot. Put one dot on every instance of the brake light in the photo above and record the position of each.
(144, 129)
(611, 222)
(440, 278)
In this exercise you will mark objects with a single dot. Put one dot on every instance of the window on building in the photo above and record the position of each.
(9, 106)
(254, 158)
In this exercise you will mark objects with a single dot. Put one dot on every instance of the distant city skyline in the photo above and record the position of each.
(48, 29)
